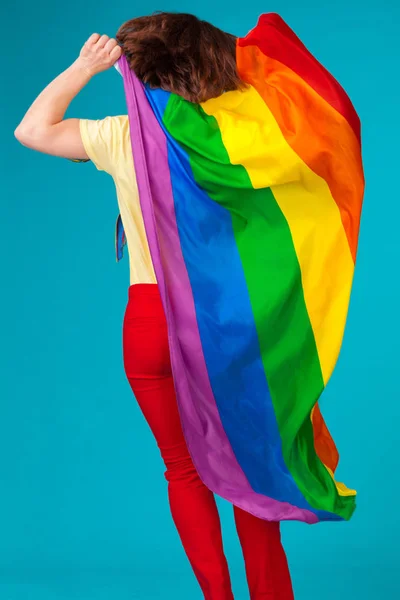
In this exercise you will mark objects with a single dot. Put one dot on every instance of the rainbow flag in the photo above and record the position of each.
(252, 204)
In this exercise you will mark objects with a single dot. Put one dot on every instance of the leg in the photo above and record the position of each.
(193, 506)
(267, 569)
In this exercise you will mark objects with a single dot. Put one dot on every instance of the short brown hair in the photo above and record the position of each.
(181, 54)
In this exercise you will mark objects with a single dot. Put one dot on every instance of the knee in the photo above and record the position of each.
(180, 469)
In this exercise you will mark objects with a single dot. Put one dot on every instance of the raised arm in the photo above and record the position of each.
(43, 128)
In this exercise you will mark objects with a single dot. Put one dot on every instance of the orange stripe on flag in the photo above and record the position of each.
(324, 445)
(318, 134)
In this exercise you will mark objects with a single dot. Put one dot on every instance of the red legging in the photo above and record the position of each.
(193, 507)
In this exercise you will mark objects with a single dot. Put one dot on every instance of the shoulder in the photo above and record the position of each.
(120, 125)
(107, 127)
(105, 140)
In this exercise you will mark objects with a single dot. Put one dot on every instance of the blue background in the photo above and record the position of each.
(83, 508)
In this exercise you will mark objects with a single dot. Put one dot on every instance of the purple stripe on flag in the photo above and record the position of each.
(207, 442)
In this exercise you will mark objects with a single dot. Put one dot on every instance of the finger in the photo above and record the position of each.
(110, 45)
(93, 39)
(102, 41)
(115, 53)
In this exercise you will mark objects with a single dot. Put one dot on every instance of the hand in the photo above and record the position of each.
(99, 54)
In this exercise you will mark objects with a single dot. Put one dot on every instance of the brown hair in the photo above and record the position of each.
(181, 54)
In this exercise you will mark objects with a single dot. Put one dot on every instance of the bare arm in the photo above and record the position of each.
(43, 128)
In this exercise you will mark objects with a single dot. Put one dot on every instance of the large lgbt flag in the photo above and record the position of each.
(252, 204)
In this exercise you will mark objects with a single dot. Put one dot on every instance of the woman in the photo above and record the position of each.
(242, 250)
(196, 76)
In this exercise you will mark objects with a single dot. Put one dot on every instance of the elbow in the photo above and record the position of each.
(24, 135)
(30, 136)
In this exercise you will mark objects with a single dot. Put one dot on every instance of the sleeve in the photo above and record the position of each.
(102, 140)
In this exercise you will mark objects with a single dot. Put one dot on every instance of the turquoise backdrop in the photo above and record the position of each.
(83, 509)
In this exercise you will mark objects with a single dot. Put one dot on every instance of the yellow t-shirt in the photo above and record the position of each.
(108, 145)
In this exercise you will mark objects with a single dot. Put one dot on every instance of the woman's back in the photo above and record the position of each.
(108, 145)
